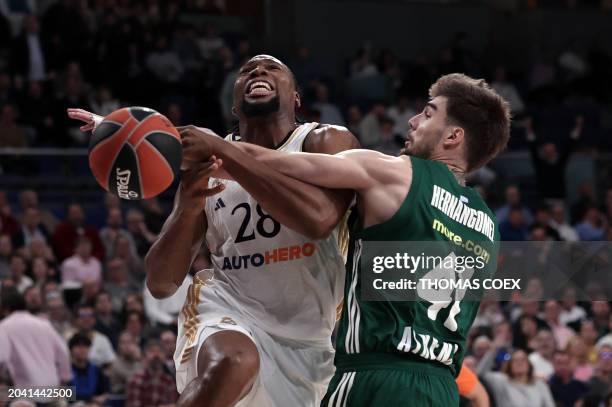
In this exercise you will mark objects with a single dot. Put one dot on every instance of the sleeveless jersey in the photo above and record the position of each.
(287, 284)
(437, 208)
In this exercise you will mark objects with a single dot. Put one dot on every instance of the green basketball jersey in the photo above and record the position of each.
(437, 208)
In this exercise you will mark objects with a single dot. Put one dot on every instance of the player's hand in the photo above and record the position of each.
(198, 145)
(91, 120)
(194, 189)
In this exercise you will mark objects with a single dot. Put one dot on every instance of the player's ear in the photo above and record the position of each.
(455, 137)
(234, 111)
(298, 101)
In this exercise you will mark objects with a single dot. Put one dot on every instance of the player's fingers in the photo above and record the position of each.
(214, 190)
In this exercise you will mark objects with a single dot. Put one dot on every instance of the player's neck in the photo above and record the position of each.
(457, 169)
(266, 132)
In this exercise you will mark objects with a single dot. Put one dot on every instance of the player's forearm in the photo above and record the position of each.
(303, 207)
(169, 259)
(478, 396)
(323, 170)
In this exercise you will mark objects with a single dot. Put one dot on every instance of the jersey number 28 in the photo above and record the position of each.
(262, 226)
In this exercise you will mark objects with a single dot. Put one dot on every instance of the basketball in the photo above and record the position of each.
(135, 153)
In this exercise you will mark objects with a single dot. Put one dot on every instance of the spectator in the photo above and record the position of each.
(369, 128)
(600, 308)
(6, 251)
(400, 114)
(13, 134)
(388, 141)
(591, 227)
(542, 358)
(89, 380)
(58, 314)
(525, 335)
(542, 219)
(89, 291)
(29, 51)
(362, 65)
(586, 199)
(74, 93)
(28, 198)
(561, 333)
(482, 344)
(549, 165)
(135, 326)
(18, 267)
(152, 385)
(38, 248)
(33, 298)
(117, 282)
(601, 383)
(113, 229)
(588, 333)
(68, 232)
(168, 345)
(36, 109)
(304, 66)
(126, 364)
(559, 223)
(30, 348)
(104, 103)
(165, 312)
(579, 354)
(82, 266)
(133, 303)
(565, 389)
(154, 217)
(139, 229)
(164, 63)
(354, 117)
(514, 228)
(31, 229)
(330, 113)
(106, 321)
(210, 43)
(507, 90)
(571, 312)
(122, 250)
(515, 385)
(101, 350)
(41, 271)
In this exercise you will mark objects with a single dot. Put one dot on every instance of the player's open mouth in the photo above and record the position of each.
(259, 89)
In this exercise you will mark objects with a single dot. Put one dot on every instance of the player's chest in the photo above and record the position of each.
(235, 213)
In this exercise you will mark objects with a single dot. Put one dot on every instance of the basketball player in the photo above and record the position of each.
(257, 334)
(391, 353)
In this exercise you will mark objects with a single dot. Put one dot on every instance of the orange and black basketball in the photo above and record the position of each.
(135, 153)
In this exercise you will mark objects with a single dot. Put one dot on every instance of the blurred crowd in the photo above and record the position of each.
(165, 55)
(75, 288)
(73, 298)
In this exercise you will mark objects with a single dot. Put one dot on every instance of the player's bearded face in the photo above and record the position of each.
(425, 134)
(254, 109)
(422, 144)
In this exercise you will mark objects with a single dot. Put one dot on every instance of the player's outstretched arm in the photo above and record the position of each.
(169, 259)
(301, 206)
(350, 169)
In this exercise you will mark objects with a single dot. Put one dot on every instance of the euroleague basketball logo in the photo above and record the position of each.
(123, 181)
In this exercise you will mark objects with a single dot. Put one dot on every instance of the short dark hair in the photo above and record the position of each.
(482, 113)
(79, 339)
(12, 300)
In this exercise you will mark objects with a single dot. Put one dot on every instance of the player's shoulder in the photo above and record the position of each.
(330, 139)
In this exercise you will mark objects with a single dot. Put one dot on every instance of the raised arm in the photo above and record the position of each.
(169, 259)
(301, 206)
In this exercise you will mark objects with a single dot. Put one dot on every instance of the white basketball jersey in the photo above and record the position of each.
(287, 284)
